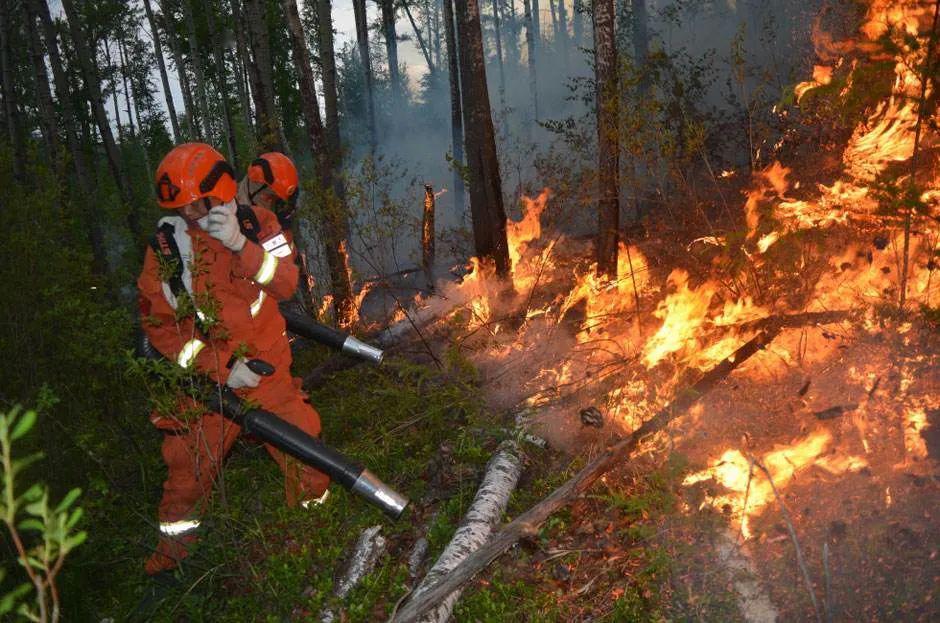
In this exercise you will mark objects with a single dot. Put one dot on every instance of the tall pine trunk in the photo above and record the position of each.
(185, 88)
(92, 221)
(47, 117)
(122, 56)
(563, 34)
(456, 110)
(164, 79)
(391, 46)
(608, 145)
(115, 100)
(93, 94)
(242, 61)
(425, 50)
(499, 57)
(362, 39)
(204, 126)
(270, 134)
(577, 22)
(486, 195)
(531, 35)
(329, 191)
(10, 108)
(221, 86)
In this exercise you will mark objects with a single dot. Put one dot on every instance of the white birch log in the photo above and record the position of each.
(368, 549)
(499, 481)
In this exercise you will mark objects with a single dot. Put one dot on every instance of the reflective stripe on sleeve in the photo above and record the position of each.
(259, 302)
(268, 267)
(189, 352)
(176, 528)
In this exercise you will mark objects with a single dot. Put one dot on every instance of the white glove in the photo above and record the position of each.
(223, 226)
(242, 376)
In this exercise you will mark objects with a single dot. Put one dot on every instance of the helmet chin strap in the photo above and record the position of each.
(252, 195)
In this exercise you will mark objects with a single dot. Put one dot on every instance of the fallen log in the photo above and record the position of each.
(528, 523)
(499, 481)
(368, 549)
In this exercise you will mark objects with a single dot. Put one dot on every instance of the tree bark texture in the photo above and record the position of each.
(499, 481)
(93, 93)
(204, 127)
(486, 196)
(47, 116)
(10, 109)
(161, 66)
(608, 145)
(362, 39)
(329, 192)
(391, 46)
(456, 110)
(270, 134)
(328, 75)
(185, 88)
(530, 38)
(222, 86)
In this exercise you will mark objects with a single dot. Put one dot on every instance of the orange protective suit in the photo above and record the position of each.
(237, 293)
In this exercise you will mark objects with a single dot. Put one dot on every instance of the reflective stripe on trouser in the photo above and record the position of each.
(178, 528)
(193, 459)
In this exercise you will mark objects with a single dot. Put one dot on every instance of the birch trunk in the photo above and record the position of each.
(608, 144)
(489, 504)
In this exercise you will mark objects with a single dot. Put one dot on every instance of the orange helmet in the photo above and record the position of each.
(276, 171)
(193, 171)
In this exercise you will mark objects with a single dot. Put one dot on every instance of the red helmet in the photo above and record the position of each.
(275, 170)
(193, 171)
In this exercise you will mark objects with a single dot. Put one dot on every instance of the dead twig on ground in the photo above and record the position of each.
(796, 543)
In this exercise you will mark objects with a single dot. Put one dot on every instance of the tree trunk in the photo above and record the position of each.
(122, 56)
(204, 127)
(362, 38)
(531, 33)
(270, 134)
(391, 46)
(63, 93)
(499, 57)
(537, 26)
(486, 195)
(329, 191)
(608, 145)
(133, 91)
(164, 79)
(328, 76)
(185, 88)
(93, 93)
(242, 61)
(562, 34)
(11, 114)
(433, 19)
(577, 20)
(640, 44)
(47, 117)
(425, 50)
(221, 86)
(456, 111)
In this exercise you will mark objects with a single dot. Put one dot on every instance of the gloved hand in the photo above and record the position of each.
(223, 226)
(242, 376)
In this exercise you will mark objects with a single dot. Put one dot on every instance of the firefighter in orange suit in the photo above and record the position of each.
(272, 183)
(212, 312)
